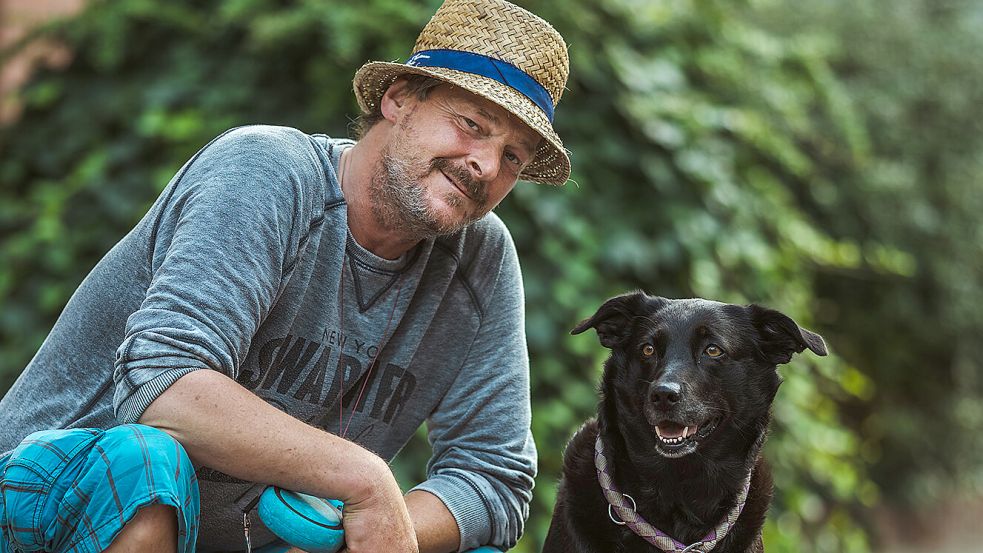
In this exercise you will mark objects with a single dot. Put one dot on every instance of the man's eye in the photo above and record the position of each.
(471, 124)
(513, 158)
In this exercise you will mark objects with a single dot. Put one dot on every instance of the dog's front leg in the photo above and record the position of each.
(557, 539)
(562, 538)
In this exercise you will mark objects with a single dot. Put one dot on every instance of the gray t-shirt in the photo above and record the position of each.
(245, 265)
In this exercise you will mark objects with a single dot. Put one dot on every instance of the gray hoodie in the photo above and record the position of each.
(245, 265)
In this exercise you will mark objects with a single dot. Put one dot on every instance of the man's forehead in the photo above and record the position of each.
(497, 115)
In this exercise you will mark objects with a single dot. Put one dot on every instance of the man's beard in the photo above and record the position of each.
(399, 196)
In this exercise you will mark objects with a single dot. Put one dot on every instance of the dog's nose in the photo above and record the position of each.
(664, 395)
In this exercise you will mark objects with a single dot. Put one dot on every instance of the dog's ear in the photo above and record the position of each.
(780, 337)
(613, 319)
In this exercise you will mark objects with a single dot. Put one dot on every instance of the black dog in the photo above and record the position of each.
(685, 404)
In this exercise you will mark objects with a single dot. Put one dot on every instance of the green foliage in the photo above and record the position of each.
(743, 151)
(918, 96)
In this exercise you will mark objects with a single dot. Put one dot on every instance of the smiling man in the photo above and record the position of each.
(447, 158)
(293, 307)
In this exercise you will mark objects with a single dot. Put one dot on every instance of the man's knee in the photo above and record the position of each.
(137, 443)
(127, 474)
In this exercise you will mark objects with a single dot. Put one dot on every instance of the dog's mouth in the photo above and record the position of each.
(677, 439)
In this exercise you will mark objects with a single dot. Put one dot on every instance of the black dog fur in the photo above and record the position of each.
(709, 364)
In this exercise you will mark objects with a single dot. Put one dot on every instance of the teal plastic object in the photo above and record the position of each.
(307, 522)
(310, 523)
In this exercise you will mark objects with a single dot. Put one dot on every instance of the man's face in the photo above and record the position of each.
(449, 160)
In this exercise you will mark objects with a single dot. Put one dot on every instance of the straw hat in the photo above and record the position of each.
(496, 50)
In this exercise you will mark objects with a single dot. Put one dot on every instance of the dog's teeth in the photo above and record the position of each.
(658, 433)
(685, 432)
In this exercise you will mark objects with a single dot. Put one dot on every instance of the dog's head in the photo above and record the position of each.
(692, 375)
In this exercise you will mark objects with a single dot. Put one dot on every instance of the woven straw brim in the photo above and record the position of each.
(550, 165)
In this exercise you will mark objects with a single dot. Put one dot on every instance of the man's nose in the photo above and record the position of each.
(484, 161)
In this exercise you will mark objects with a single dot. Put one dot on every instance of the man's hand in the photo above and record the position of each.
(224, 426)
(379, 521)
(436, 530)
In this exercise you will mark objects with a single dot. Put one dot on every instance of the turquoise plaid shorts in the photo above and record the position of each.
(74, 490)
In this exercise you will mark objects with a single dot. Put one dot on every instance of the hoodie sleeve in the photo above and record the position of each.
(484, 458)
(229, 228)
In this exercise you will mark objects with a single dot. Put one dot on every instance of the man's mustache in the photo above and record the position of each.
(476, 189)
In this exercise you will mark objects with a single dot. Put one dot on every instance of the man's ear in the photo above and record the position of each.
(613, 320)
(779, 337)
(394, 99)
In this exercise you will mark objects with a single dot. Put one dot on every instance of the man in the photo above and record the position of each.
(293, 307)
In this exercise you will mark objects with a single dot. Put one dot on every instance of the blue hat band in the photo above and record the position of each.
(498, 70)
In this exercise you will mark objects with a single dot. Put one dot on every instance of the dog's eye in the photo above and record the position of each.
(713, 350)
(648, 350)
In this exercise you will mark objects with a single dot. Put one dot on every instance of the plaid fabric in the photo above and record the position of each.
(74, 490)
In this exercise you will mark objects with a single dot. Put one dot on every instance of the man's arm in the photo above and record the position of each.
(484, 459)
(281, 450)
(226, 427)
(436, 529)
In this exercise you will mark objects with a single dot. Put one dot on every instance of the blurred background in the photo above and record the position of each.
(822, 158)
